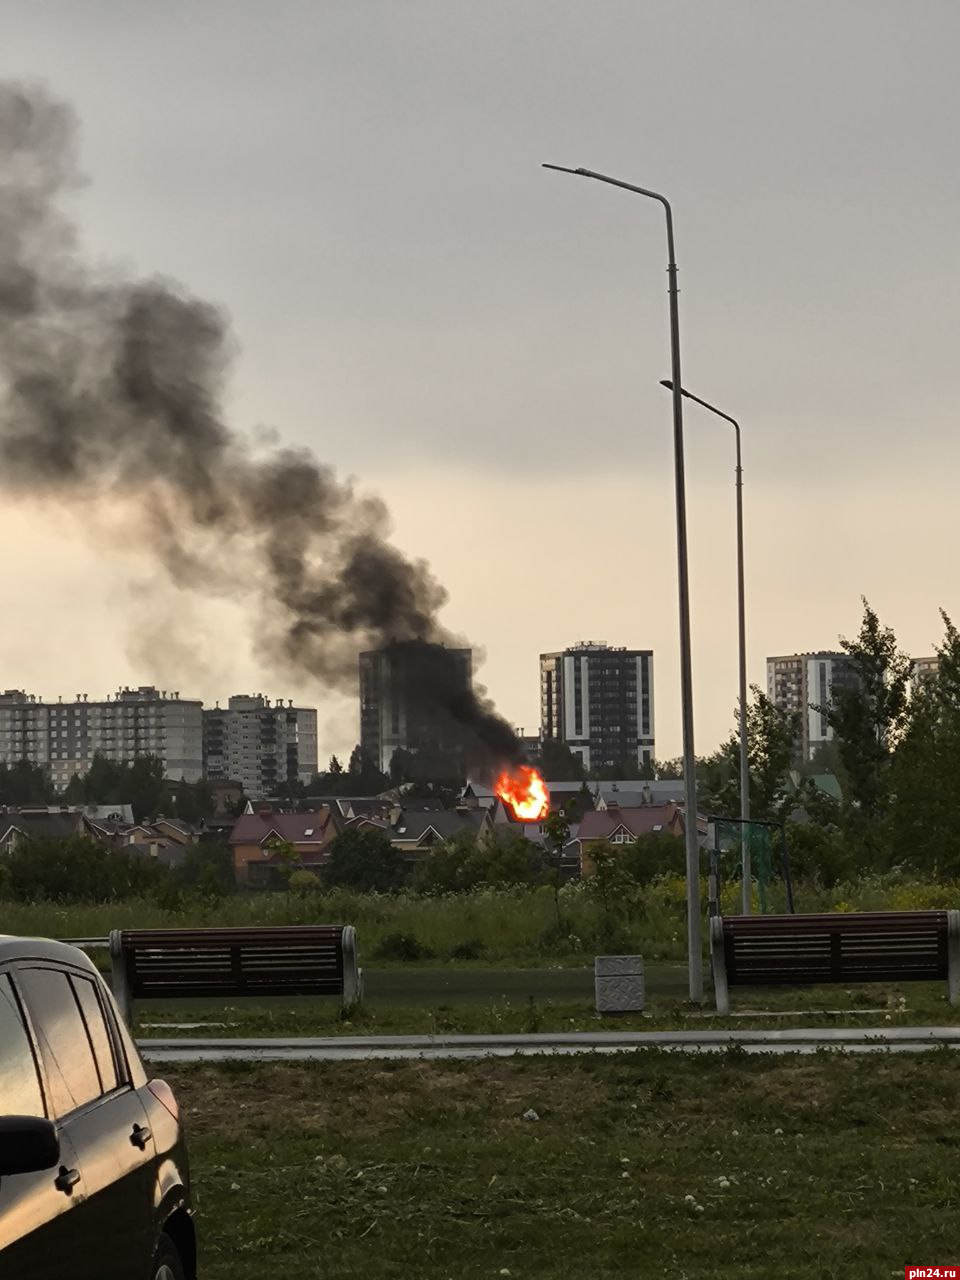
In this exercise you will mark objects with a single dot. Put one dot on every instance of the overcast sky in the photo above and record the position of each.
(479, 340)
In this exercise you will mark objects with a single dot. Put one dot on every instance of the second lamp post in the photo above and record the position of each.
(741, 618)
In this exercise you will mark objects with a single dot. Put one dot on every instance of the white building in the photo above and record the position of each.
(805, 682)
(599, 701)
(259, 744)
(63, 737)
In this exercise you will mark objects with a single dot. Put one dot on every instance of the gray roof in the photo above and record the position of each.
(414, 823)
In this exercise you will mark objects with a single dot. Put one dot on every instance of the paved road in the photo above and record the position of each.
(352, 1048)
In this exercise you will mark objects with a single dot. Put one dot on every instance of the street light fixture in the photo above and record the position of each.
(694, 956)
(741, 619)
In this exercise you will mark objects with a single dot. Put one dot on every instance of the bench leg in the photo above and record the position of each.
(120, 978)
(352, 975)
(719, 965)
(953, 956)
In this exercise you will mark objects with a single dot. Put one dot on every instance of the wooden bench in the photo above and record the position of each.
(869, 946)
(159, 964)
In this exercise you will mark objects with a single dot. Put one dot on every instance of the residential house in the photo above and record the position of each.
(618, 825)
(256, 861)
(17, 825)
(414, 832)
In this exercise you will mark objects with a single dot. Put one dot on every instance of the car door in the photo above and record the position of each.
(103, 1117)
(38, 1211)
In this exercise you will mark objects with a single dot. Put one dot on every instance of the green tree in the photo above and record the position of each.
(556, 833)
(925, 774)
(78, 869)
(207, 871)
(771, 743)
(25, 783)
(365, 860)
(612, 889)
(146, 787)
(363, 778)
(868, 717)
(558, 763)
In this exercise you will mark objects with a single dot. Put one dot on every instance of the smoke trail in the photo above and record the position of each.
(110, 394)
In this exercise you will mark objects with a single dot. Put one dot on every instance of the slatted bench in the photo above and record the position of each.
(158, 964)
(802, 950)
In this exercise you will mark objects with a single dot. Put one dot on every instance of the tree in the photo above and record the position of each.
(78, 869)
(365, 860)
(207, 871)
(363, 777)
(771, 740)
(146, 787)
(868, 717)
(24, 783)
(925, 780)
(556, 831)
(558, 763)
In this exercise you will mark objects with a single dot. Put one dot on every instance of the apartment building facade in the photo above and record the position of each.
(260, 744)
(805, 683)
(63, 737)
(398, 709)
(599, 701)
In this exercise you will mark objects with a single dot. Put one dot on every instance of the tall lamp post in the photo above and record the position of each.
(741, 619)
(694, 957)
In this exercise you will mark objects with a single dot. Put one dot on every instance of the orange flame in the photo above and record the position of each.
(525, 791)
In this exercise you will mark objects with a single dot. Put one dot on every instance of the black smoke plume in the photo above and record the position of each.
(110, 404)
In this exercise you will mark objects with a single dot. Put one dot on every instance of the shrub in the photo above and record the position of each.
(77, 870)
(365, 860)
(402, 946)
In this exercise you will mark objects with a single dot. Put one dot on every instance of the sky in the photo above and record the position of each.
(480, 341)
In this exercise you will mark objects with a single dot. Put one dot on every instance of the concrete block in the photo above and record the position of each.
(619, 984)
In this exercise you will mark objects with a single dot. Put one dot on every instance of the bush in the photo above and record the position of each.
(402, 946)
(77, 870)
(304, 881)
(472, 949)
(365, 860)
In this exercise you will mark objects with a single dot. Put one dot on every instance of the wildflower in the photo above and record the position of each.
(777, 1133)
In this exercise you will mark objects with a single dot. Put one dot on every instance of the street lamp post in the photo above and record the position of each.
(694, 956)
(741, 618)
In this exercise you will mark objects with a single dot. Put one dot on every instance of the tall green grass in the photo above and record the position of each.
(492, 925)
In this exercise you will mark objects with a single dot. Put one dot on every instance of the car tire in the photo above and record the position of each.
(167, 1264)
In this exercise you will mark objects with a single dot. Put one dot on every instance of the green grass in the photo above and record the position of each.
(835, 1167)
(491, 1001)
(506, 927)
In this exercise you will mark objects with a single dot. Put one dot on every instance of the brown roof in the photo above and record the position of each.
(658, 819)
(299, 828)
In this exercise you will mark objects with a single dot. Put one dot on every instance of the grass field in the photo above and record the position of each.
(506, 927)
(436, 1000)
(712, 1168)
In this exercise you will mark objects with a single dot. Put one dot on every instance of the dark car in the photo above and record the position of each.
(94, 1182)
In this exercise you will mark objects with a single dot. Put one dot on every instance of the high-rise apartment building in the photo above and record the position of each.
(63, 737)
(403, 689)
(599, 701)
(804, 682)
(259, 744)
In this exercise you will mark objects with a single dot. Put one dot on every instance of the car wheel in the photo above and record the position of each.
(166, 1262)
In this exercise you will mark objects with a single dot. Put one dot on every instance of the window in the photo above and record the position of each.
(19, 1083)
(98, 1032)
(64, 1045)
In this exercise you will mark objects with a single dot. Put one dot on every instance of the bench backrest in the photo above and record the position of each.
(293, 960)
(870, 946)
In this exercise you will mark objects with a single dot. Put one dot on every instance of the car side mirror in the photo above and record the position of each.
(27, 1145)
